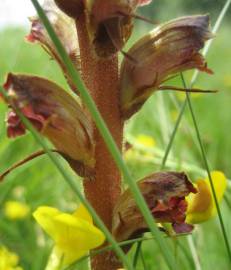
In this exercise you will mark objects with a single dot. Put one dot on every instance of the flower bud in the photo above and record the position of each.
(73, 8)
(169, 49)
(164, 193)
(55, 114)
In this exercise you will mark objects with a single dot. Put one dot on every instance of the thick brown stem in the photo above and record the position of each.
(101, 78)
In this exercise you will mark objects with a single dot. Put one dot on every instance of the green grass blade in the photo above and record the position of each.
(74, 187)
(194, 252)
(107, 137)
(143, 260)
(136, 255)
(207, 169)
(193, 80)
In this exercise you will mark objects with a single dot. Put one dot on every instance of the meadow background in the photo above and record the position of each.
(38, 183)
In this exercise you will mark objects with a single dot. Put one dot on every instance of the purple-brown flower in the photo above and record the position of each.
(164, 193)
(64, 28)
(169, 49)
(55, 114)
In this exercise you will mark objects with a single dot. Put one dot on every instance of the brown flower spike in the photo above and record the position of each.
(169, 49)
(165, 194)
(55, 114)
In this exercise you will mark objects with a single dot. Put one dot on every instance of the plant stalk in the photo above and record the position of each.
(102, 81)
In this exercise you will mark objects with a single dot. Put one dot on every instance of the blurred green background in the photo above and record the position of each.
(38, 182)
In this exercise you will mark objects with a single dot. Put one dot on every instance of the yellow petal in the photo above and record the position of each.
(73, 234)
(145, 140)
(201, 206)
(219, 182)
(16, 210)
(8, 259)
(81, 212)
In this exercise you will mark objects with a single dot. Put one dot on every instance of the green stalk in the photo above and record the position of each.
(108, 140)
(73, 185)
(207, 169)
(193, 80)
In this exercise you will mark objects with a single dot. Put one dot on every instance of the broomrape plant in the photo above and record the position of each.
(92, 33)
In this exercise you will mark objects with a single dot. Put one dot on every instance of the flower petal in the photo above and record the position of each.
(144, 2)
(73, 235)
(81, 212)
(201, 206)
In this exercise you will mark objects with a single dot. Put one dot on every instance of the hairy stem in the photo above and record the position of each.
(101, 78)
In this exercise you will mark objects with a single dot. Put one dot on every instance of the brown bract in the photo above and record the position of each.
(111, 24)
(55, 114)
(164, 193)
(64, 28)
(169, 49)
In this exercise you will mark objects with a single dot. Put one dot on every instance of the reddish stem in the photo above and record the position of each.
(101, 78)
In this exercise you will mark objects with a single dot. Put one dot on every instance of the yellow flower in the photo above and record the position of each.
(145, 140)
(74, 235)
(8, 260)
(201, 206)
(227, 80)
(16, 210)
